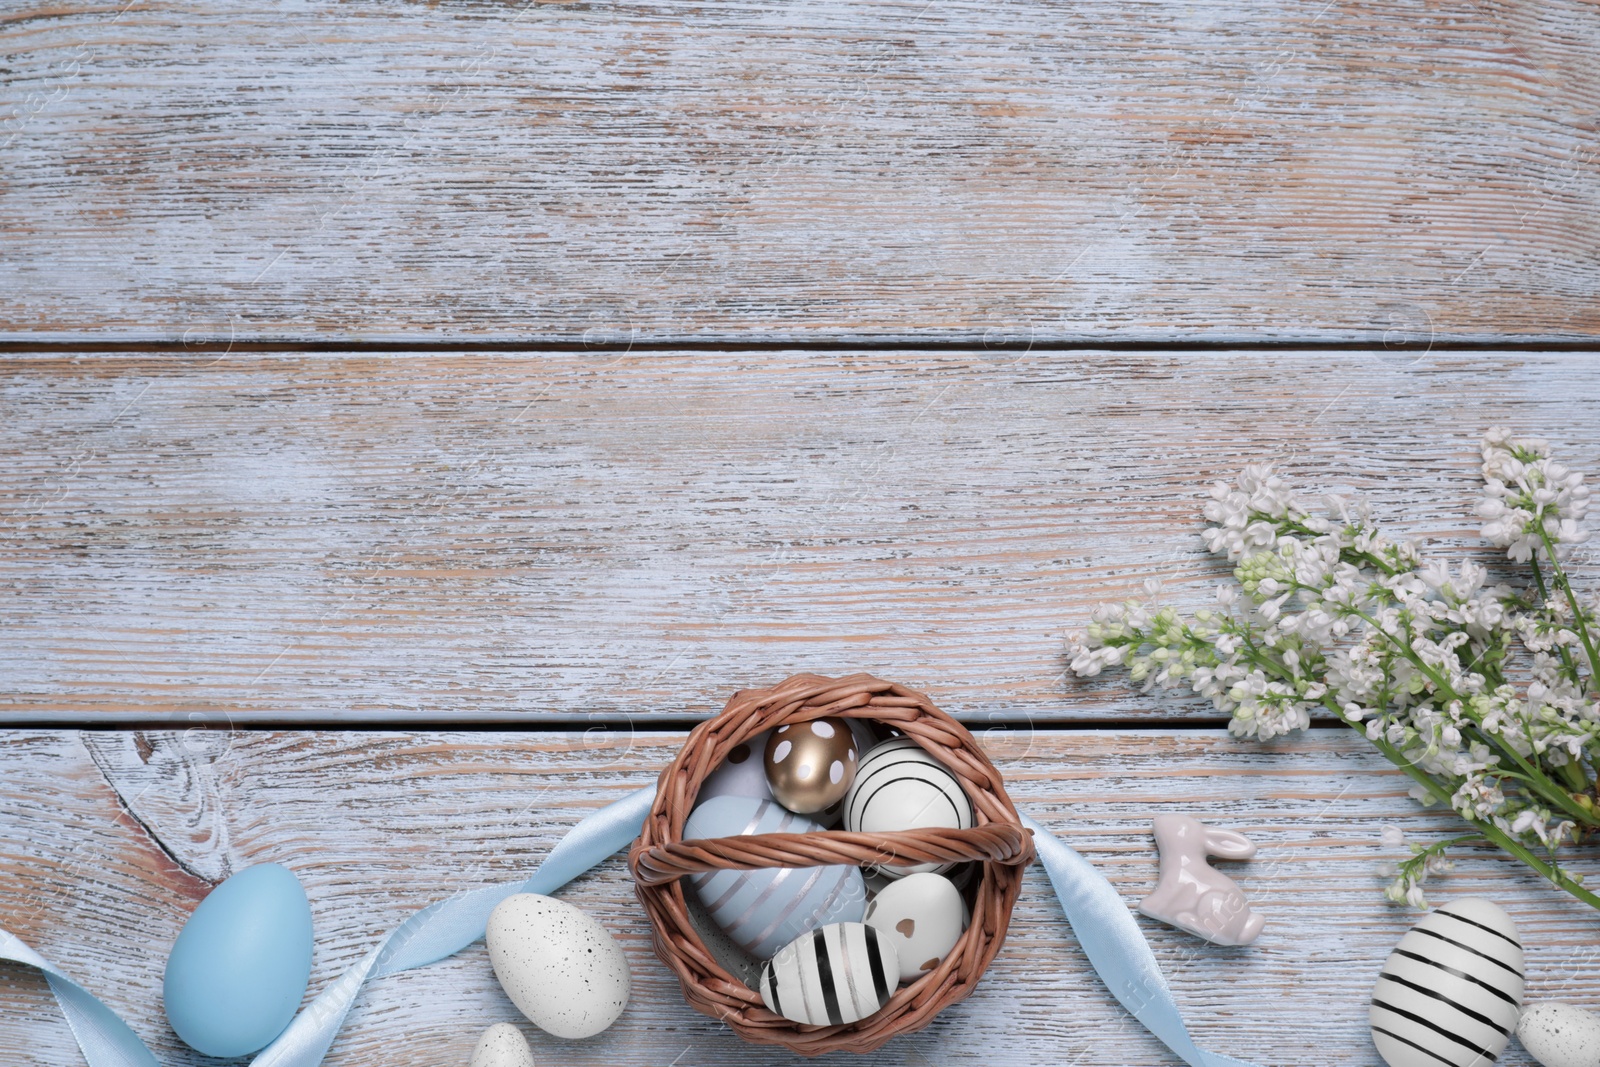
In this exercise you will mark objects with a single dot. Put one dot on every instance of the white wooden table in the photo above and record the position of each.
(414, 417)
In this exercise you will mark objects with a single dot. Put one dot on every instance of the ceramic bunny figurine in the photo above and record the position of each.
(1192, 896)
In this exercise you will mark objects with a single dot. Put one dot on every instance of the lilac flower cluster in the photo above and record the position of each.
(1485, 694)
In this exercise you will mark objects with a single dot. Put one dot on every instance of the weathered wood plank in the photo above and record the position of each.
(1333, 169)
(501, 538)
(108, 840)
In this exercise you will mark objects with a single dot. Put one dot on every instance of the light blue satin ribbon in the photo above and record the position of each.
(105, 1039)
(1117, 948)
(439, 930)
(1104, 926)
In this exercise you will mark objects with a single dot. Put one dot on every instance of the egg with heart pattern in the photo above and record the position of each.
(922, 916)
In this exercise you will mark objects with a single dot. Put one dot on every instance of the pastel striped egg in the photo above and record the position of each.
(1451, 991)
(763, 910)
(730, 956)
(898, 786)
(839, 974)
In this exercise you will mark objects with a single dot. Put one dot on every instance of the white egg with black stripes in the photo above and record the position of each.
(899, 786)
(837, 974)
(1451, 991)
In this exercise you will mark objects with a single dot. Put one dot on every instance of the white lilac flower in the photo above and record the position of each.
(1485, 691)
(1529, 497)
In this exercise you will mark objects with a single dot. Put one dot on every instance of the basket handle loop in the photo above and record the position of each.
(994, 843)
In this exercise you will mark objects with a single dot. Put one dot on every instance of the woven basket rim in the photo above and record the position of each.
(660, 857)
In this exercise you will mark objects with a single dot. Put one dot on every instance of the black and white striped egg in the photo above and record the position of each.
(836, 974)
(898, 786)
(1451, 991)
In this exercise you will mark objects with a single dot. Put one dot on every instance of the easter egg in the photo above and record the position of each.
(763, 910)
(728, 954)
(810, 765)
(1451, 990)
(838, 974)
(241, 963)
(922, 916)
(502, 1045)
(833, 814)
(866, 733)
(559, 967)
(742, 774)
(898, 786)
(875, 881)
(1560, 1035)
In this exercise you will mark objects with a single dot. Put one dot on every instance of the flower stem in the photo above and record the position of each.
(1450, 842)
(1349, 555)
(1551, 873)
(1560, 576)
(1538, 782)
(1562, 651)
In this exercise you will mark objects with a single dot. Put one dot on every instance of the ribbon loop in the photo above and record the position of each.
(1105, 928)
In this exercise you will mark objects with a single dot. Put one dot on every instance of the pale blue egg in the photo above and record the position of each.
(241, 963)
(764, 910)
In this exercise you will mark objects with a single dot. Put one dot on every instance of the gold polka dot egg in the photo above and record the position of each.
(811, 765)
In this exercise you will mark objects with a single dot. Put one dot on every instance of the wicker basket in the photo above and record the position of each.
(660, 859)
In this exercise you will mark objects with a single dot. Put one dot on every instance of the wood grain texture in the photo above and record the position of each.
(102, 860)
(1025, 170)
(517, 537)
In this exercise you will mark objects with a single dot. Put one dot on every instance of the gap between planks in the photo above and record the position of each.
(899, 344)
(112, 722)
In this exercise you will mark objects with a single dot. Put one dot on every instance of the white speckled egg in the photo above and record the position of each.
(922, 916)
(1560, 1035)
(838, 974)
(898, 786)
(502, 1045)
(741, 774)
(1451, 991)
(763, 910)
(559, 967)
